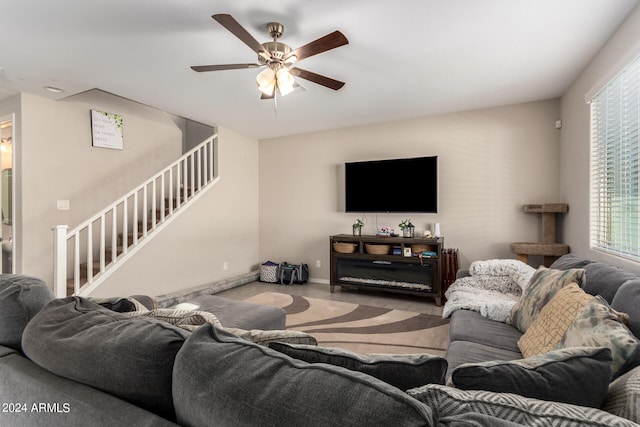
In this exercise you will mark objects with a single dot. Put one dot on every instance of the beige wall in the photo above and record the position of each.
(491, 162)
(575, 142)
(221, 227)
(58, 162)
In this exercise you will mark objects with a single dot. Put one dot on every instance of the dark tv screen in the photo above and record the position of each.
(394, 185)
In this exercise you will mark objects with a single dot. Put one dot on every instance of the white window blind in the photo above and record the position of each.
(615, 154)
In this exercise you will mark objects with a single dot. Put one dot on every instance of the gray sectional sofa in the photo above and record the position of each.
(73, 361)
(477, 344)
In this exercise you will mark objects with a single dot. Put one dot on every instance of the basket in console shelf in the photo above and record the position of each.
(377, 249)
(344, 248)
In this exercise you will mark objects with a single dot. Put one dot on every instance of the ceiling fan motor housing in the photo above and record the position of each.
(278, 52)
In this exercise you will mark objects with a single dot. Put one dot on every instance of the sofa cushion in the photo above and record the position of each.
(627, 300)
(577, 375)
(233, 382)
(623, 398)
(546, 331)
(129, 357)
(21, 297)
(403, 371)
(124, 304)
(266, 337)
(598, 325)
(567, 261)
(448, 401)
(605, 279)
(467, 325)
(543, 286)
(460, 352)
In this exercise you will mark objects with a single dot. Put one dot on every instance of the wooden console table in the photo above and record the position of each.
(392, 264)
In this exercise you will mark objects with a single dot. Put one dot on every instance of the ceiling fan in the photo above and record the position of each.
(278, 58)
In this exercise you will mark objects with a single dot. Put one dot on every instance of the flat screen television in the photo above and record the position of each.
(393, 185)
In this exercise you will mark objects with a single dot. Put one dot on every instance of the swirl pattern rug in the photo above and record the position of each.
(361, 328)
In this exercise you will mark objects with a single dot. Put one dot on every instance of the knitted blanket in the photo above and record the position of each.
(492, 289)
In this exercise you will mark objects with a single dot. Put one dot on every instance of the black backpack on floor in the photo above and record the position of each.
(293, 273)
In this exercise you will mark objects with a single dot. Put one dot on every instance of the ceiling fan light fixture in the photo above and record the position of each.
(285, 81)
(266, 81)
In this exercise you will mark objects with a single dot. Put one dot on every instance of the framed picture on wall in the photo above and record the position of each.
(107, 130)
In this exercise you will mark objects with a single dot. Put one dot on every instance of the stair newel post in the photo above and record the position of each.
(60, 260)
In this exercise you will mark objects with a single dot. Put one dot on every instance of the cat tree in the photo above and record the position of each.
(548, 248)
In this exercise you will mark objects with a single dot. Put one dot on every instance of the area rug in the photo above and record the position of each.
(361, 328)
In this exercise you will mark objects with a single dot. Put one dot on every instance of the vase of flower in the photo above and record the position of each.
(407, 228)
(357, 227)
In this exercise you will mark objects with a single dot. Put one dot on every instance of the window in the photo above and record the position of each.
(615, 152)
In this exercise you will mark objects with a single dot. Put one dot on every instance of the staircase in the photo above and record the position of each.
(88, 254)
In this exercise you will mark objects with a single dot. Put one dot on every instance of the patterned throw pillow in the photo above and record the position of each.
(579, 376)
(543, 286)
(265, 338)
(546, 331)
(403, 371)
(598, 325)
(445, 401)
(623, 398)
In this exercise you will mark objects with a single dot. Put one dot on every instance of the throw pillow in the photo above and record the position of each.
(579, 376)
(623, 398)
(21, 297)
(448, 401)
(546, 331)
(221, 379)
(543, 286)
(400, 370)
(598, 325)
(188, 320)
(627, 299)
(129, 357)
(265, 338)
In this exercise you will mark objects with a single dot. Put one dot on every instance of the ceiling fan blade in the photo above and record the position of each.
(323, 44)
(238, 30)
(317, 78)
(201, 68)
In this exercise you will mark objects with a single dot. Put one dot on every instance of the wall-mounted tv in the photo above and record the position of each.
(393, 185)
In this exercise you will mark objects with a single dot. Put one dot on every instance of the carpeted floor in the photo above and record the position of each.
(361, 328)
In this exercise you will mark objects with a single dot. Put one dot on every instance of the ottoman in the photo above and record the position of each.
(238, 314)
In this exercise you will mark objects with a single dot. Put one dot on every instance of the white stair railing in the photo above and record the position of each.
(85, 256)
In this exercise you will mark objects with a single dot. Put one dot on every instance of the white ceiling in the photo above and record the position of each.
(404, 59)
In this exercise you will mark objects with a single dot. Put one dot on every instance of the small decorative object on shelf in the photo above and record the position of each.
(357, 227)
(384, 232)
(407, 228)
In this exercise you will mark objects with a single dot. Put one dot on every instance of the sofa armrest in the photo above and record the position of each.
(47, 399)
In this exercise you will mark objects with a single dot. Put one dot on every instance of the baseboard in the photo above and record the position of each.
(169, 300)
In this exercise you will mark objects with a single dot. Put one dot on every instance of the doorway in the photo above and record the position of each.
(7, 144)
